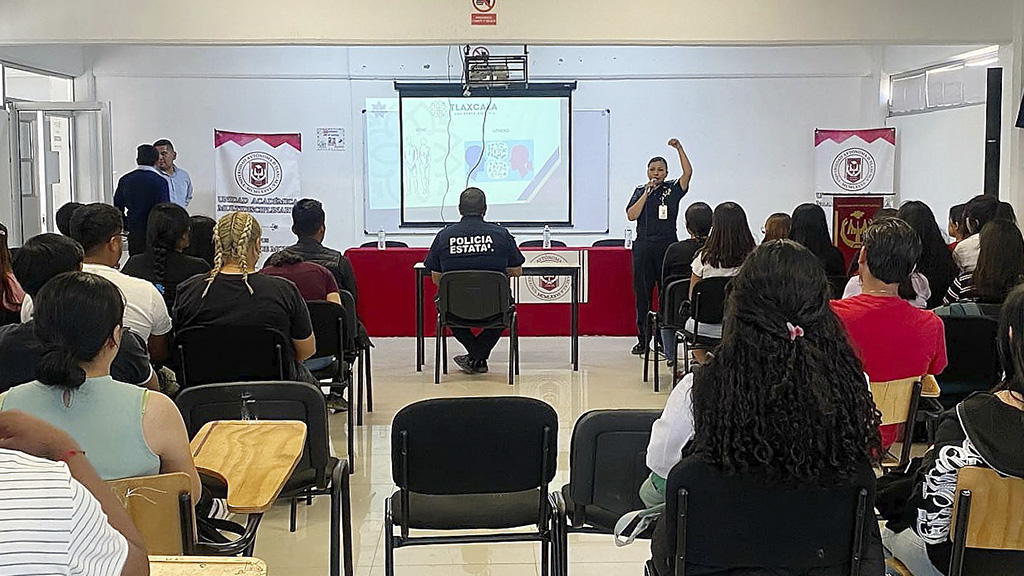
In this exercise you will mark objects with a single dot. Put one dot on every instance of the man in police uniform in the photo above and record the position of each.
(472, 244)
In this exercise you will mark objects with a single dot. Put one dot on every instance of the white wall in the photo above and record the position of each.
(746, 115)
(534, 21)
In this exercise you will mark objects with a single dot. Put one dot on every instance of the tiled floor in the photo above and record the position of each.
(609, 377)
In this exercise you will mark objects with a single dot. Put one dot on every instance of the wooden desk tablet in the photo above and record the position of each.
(206, 566)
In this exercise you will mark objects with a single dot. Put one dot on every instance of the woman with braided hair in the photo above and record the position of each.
(233, 294)
(163, 263)
(784, 398)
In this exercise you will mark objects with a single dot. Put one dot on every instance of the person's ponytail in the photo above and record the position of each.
(59, 367)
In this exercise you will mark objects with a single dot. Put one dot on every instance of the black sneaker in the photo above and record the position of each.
(335, 403)
(480, 366)
(465, 364)
(638, 350)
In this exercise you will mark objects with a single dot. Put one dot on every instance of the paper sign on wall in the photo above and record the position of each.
(483, 13)
(330, 139)
(259, 174)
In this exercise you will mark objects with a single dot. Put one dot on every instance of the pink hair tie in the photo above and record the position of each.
(794, 331)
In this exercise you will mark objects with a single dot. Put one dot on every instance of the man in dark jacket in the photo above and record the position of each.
(308, 223)
(137, 192)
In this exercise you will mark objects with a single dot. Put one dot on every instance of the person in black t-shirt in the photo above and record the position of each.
(655, 208)
(680, 255)
(163, 263)
(232, 294)
(472, 244)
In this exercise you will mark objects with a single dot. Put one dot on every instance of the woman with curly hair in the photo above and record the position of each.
(784, 398)
(233, 294)
(163, 263)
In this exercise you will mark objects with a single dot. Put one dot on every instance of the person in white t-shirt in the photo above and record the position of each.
(97, 227)
(979, 211)
(56, 515)
(727, 247)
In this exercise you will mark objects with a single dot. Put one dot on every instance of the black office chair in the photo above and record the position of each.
(471, 464)
(728, 521)
(329, 321)
(317, 473)
(357, 354)
(387, 244)
(973, 361)
(607, 465)
(707, 308)
(475, 299)
(673, 311)
(610, 242)
(540, 244)
(212, 354)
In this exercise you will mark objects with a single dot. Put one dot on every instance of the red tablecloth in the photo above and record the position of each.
(387, 296)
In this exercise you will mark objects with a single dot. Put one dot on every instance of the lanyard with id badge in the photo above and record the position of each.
(663, 208)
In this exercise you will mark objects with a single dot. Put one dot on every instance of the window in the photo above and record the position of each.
(960, 82)
(20, 84)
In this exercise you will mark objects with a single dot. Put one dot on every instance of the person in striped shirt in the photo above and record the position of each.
(56, 515)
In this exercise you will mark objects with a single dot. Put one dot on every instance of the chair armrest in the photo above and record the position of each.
(558, 511)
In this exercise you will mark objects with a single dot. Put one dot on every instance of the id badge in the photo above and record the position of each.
(662, 212)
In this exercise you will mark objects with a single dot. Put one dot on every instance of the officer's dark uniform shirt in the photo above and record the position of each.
(472, 244)
(648, 225)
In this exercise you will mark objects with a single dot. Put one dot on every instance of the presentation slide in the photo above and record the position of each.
(516, 149)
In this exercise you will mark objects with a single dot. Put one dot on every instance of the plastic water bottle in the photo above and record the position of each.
(547, 237)
(382, 241)
(628, 235)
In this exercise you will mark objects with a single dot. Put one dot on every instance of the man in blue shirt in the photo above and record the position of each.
(472, 244)
(137, 192)
(181, 184)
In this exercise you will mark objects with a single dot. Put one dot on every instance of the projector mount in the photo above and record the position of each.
(482, 70)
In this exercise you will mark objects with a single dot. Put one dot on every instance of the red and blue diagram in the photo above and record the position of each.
(502, 161)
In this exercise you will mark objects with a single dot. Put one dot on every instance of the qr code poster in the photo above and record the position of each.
(330, 139)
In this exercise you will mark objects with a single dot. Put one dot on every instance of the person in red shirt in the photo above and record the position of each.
(893, 339)
(313, 280)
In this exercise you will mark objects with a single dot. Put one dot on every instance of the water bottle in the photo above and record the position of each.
(547, 237)
(382, 241)
(628, 235)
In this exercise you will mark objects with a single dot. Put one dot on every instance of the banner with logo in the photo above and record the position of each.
(854, 161)
(850, 218)
(259, 174)
(552, 289)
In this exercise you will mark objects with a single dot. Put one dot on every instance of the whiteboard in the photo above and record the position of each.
(382, 179)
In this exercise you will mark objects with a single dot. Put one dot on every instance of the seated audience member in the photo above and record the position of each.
(679, 257)
(97, 227)
(40, 259)
(810, 230)
(313, 280)
(783, 400)
(1005, 212)
(957, 228)
(776, 227)
(500, 255)
(986, 430)
(1000, 266)
(63, 216)
(56, 515)
(163, 263)
(200, 238)
(308, 223)
(936, 262)
(11, 292)
(893, 339)
(727, 247)
(232, 294)
(126, 430)
(979, 211)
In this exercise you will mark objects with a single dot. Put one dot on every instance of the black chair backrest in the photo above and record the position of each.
(387, 244)
(473, 295)
(540, 244)
(212, 354)
(971, 351)
(486, 445)
(608, 458)
(709, 300)
(348, 302)
(676, 293)
(742, 522)
(264, 401)
(621, 242)
(328, 321)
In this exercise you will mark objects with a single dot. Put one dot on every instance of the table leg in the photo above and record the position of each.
(575, 313)
(419, 321)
